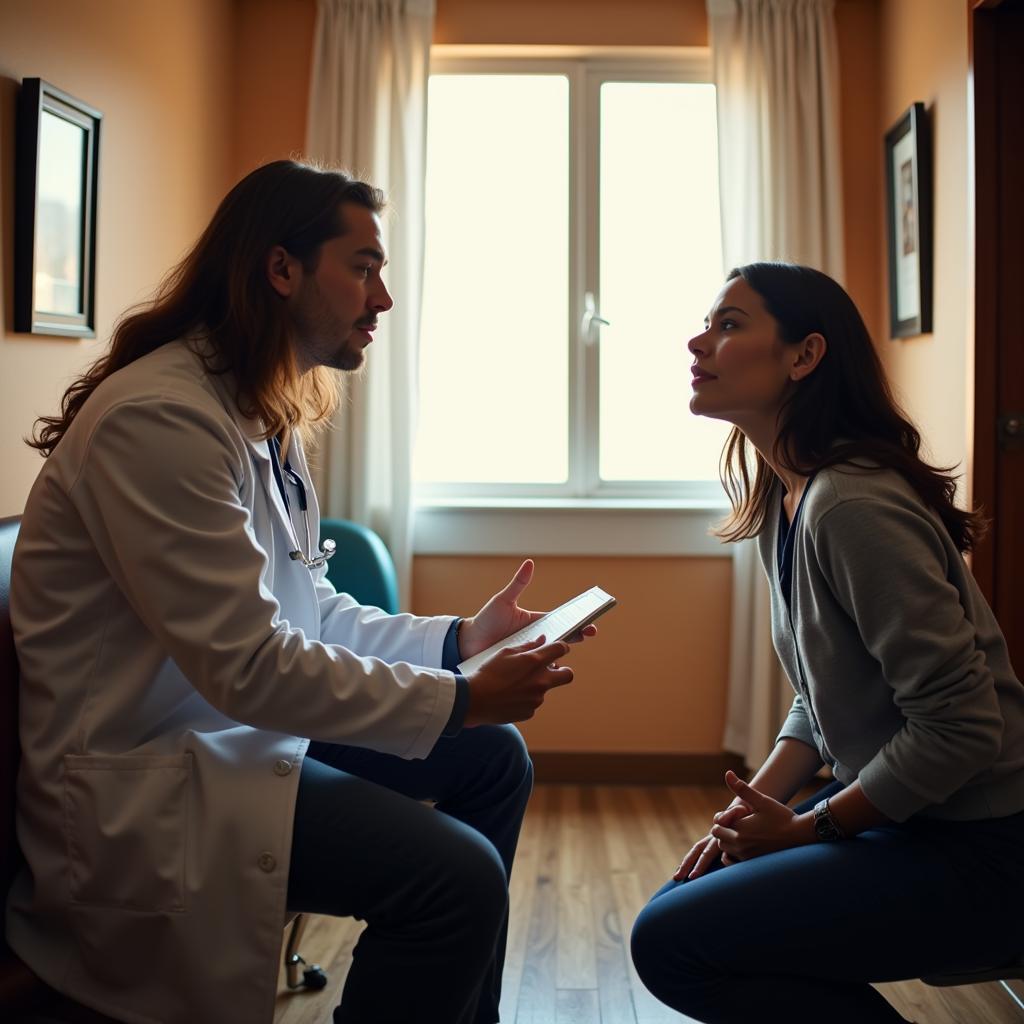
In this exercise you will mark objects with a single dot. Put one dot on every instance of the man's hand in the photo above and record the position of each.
(511, 685)
(769, 826)
(501, 616)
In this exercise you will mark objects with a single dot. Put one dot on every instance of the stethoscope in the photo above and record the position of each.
(309, 560)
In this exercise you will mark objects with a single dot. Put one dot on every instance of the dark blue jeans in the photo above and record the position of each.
(431, 883)
(797, 936)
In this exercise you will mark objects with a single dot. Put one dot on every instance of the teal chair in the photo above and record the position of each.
(362, 565)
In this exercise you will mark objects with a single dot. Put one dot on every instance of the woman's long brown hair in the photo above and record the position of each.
(844, 412)
(220, 292)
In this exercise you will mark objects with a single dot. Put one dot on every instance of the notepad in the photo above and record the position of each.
(565, 620)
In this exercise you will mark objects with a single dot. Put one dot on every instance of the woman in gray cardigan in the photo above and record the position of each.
(909, 862)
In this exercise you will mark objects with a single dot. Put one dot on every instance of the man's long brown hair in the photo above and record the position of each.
(844, 412)
(220, 292)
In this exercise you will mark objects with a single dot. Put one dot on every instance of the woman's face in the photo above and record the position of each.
(741, 367)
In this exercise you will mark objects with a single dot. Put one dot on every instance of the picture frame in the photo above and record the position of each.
(56, 174)
(908, 181)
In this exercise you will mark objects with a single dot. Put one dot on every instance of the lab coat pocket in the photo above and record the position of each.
(126, 829)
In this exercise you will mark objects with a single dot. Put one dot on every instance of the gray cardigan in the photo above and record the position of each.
(901, 673)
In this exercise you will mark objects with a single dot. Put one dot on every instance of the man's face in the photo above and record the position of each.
(334, 309)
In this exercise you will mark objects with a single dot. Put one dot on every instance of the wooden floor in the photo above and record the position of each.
(589, 857)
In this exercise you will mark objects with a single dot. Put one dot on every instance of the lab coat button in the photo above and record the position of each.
(267, 862)
(282, 767)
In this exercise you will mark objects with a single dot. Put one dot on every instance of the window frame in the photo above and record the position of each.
(586, 70)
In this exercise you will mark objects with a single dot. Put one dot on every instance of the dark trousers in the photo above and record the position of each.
(797, 936)
(431, 883)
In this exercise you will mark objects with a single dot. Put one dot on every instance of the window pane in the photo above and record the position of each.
(660, 268)
(494, 348)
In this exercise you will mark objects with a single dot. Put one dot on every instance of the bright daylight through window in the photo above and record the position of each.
(551, 197)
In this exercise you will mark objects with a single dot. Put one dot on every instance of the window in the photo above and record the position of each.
(562, 194)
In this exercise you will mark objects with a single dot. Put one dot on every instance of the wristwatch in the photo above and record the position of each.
(826, 828)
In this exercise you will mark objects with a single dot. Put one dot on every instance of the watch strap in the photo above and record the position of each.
(826, 828)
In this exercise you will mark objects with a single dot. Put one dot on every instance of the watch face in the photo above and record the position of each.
(824, 829)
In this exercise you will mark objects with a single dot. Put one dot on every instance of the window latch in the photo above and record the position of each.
(591, 316)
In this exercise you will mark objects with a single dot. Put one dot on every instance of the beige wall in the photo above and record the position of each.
(653, 680)
(573, 22)
(858, 28)
(269, 104)
(161, 75)
(924, 58)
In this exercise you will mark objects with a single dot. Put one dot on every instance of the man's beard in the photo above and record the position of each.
(317, 331)
(344, 358)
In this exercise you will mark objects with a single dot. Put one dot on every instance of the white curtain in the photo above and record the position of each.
(367, 114)
(775, 65)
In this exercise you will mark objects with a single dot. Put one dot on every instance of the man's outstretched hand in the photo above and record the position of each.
(501, 616)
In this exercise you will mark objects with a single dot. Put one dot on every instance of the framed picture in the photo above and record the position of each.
(57, 153)
(908, 178)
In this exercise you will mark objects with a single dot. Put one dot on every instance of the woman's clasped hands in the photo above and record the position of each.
(752, 825)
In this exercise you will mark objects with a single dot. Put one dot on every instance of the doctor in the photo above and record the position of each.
(212, 736)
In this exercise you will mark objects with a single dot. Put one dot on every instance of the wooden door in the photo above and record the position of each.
(997, 49)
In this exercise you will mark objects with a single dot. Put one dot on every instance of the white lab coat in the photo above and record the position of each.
(175, 663)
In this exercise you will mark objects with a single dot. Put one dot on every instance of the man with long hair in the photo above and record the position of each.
(212, 736)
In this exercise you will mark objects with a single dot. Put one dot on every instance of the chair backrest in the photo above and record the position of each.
(362, 565)
(9, 749)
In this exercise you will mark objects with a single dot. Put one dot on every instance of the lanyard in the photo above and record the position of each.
(281, 472)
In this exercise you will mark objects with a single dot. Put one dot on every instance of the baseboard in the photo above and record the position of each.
(635, 769)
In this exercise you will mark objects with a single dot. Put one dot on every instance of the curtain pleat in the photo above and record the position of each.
(367, 114)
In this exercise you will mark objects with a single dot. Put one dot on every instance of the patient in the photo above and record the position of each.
(908, 863)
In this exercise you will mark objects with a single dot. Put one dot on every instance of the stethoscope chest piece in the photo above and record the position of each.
(328, 548)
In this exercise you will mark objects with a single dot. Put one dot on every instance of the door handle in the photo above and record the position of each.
(1011, 429)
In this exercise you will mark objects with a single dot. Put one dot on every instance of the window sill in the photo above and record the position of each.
(611, 527)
